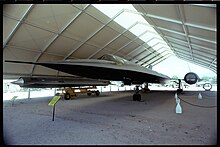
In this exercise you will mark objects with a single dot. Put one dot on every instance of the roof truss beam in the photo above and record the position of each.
(197, 63)
(176, 21)
(143, 45)
(205, 5)
(158, 55)
(57, 35)
(112, 40)
(182, 17)
(172, 20)
(196, 56)
(30, 50)
(212, 62)
(186, 50)
(141, 53)
(191, 36)
(197, 59)
(134, 50)
(93, 34)
(151, 52)
(157, 59)
(161, 34)
(154, 26)
(140, 60)
(137, 37)
(18, 25)
(160, 60)
(179, 40)
(64, 28)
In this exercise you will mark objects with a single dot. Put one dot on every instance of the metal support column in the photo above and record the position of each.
(55, 90)
(29, 93)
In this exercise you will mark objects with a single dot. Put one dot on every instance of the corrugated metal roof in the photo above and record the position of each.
(49, 32)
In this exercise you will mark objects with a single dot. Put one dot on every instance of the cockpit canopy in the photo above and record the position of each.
(116, 59)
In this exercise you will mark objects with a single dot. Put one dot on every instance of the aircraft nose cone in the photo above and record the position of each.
(18, 82)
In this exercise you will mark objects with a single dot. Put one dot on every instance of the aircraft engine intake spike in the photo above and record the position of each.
(191, 78)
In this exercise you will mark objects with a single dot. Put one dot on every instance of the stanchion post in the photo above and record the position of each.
(53, 112)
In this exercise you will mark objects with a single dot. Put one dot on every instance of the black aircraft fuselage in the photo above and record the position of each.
(112, 68)
(108, 67)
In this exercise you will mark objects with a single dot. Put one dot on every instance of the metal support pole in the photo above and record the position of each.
(8, 88)
(55, 90)
(29, 93)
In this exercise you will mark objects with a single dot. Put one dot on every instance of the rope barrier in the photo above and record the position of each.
(203, 94)
(189, 94)
(197, 105)
(209, 95)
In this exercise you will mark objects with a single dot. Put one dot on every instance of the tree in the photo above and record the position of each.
(214, 80)
(175, 77)
(205, 78)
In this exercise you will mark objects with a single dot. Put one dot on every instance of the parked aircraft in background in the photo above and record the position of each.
(201, 83)
(205, 84)
(113, 68)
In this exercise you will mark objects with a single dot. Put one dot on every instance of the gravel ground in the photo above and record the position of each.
(112, 118)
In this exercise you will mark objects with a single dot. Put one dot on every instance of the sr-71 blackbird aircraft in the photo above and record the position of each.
(113, 68)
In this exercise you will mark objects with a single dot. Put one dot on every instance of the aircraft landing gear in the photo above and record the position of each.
(67, 96)
(179, 90)
(137, 96)
(145, 89)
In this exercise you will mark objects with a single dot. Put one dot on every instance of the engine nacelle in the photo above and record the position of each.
(191, 78)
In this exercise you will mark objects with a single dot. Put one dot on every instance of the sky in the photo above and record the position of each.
(175, 66)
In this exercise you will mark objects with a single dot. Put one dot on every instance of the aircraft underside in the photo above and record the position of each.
(127, 76)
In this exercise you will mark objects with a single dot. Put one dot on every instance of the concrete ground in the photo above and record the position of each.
(112, 118)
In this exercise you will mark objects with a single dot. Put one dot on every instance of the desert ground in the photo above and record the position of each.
(113, 118)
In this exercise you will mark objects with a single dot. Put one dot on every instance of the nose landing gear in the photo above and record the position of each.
(137, 96)
(179, 90)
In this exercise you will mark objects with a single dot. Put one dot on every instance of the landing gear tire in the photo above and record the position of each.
(136, 97)
(89, 93)
(97, 93)
(179, 90)
(67, 96)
